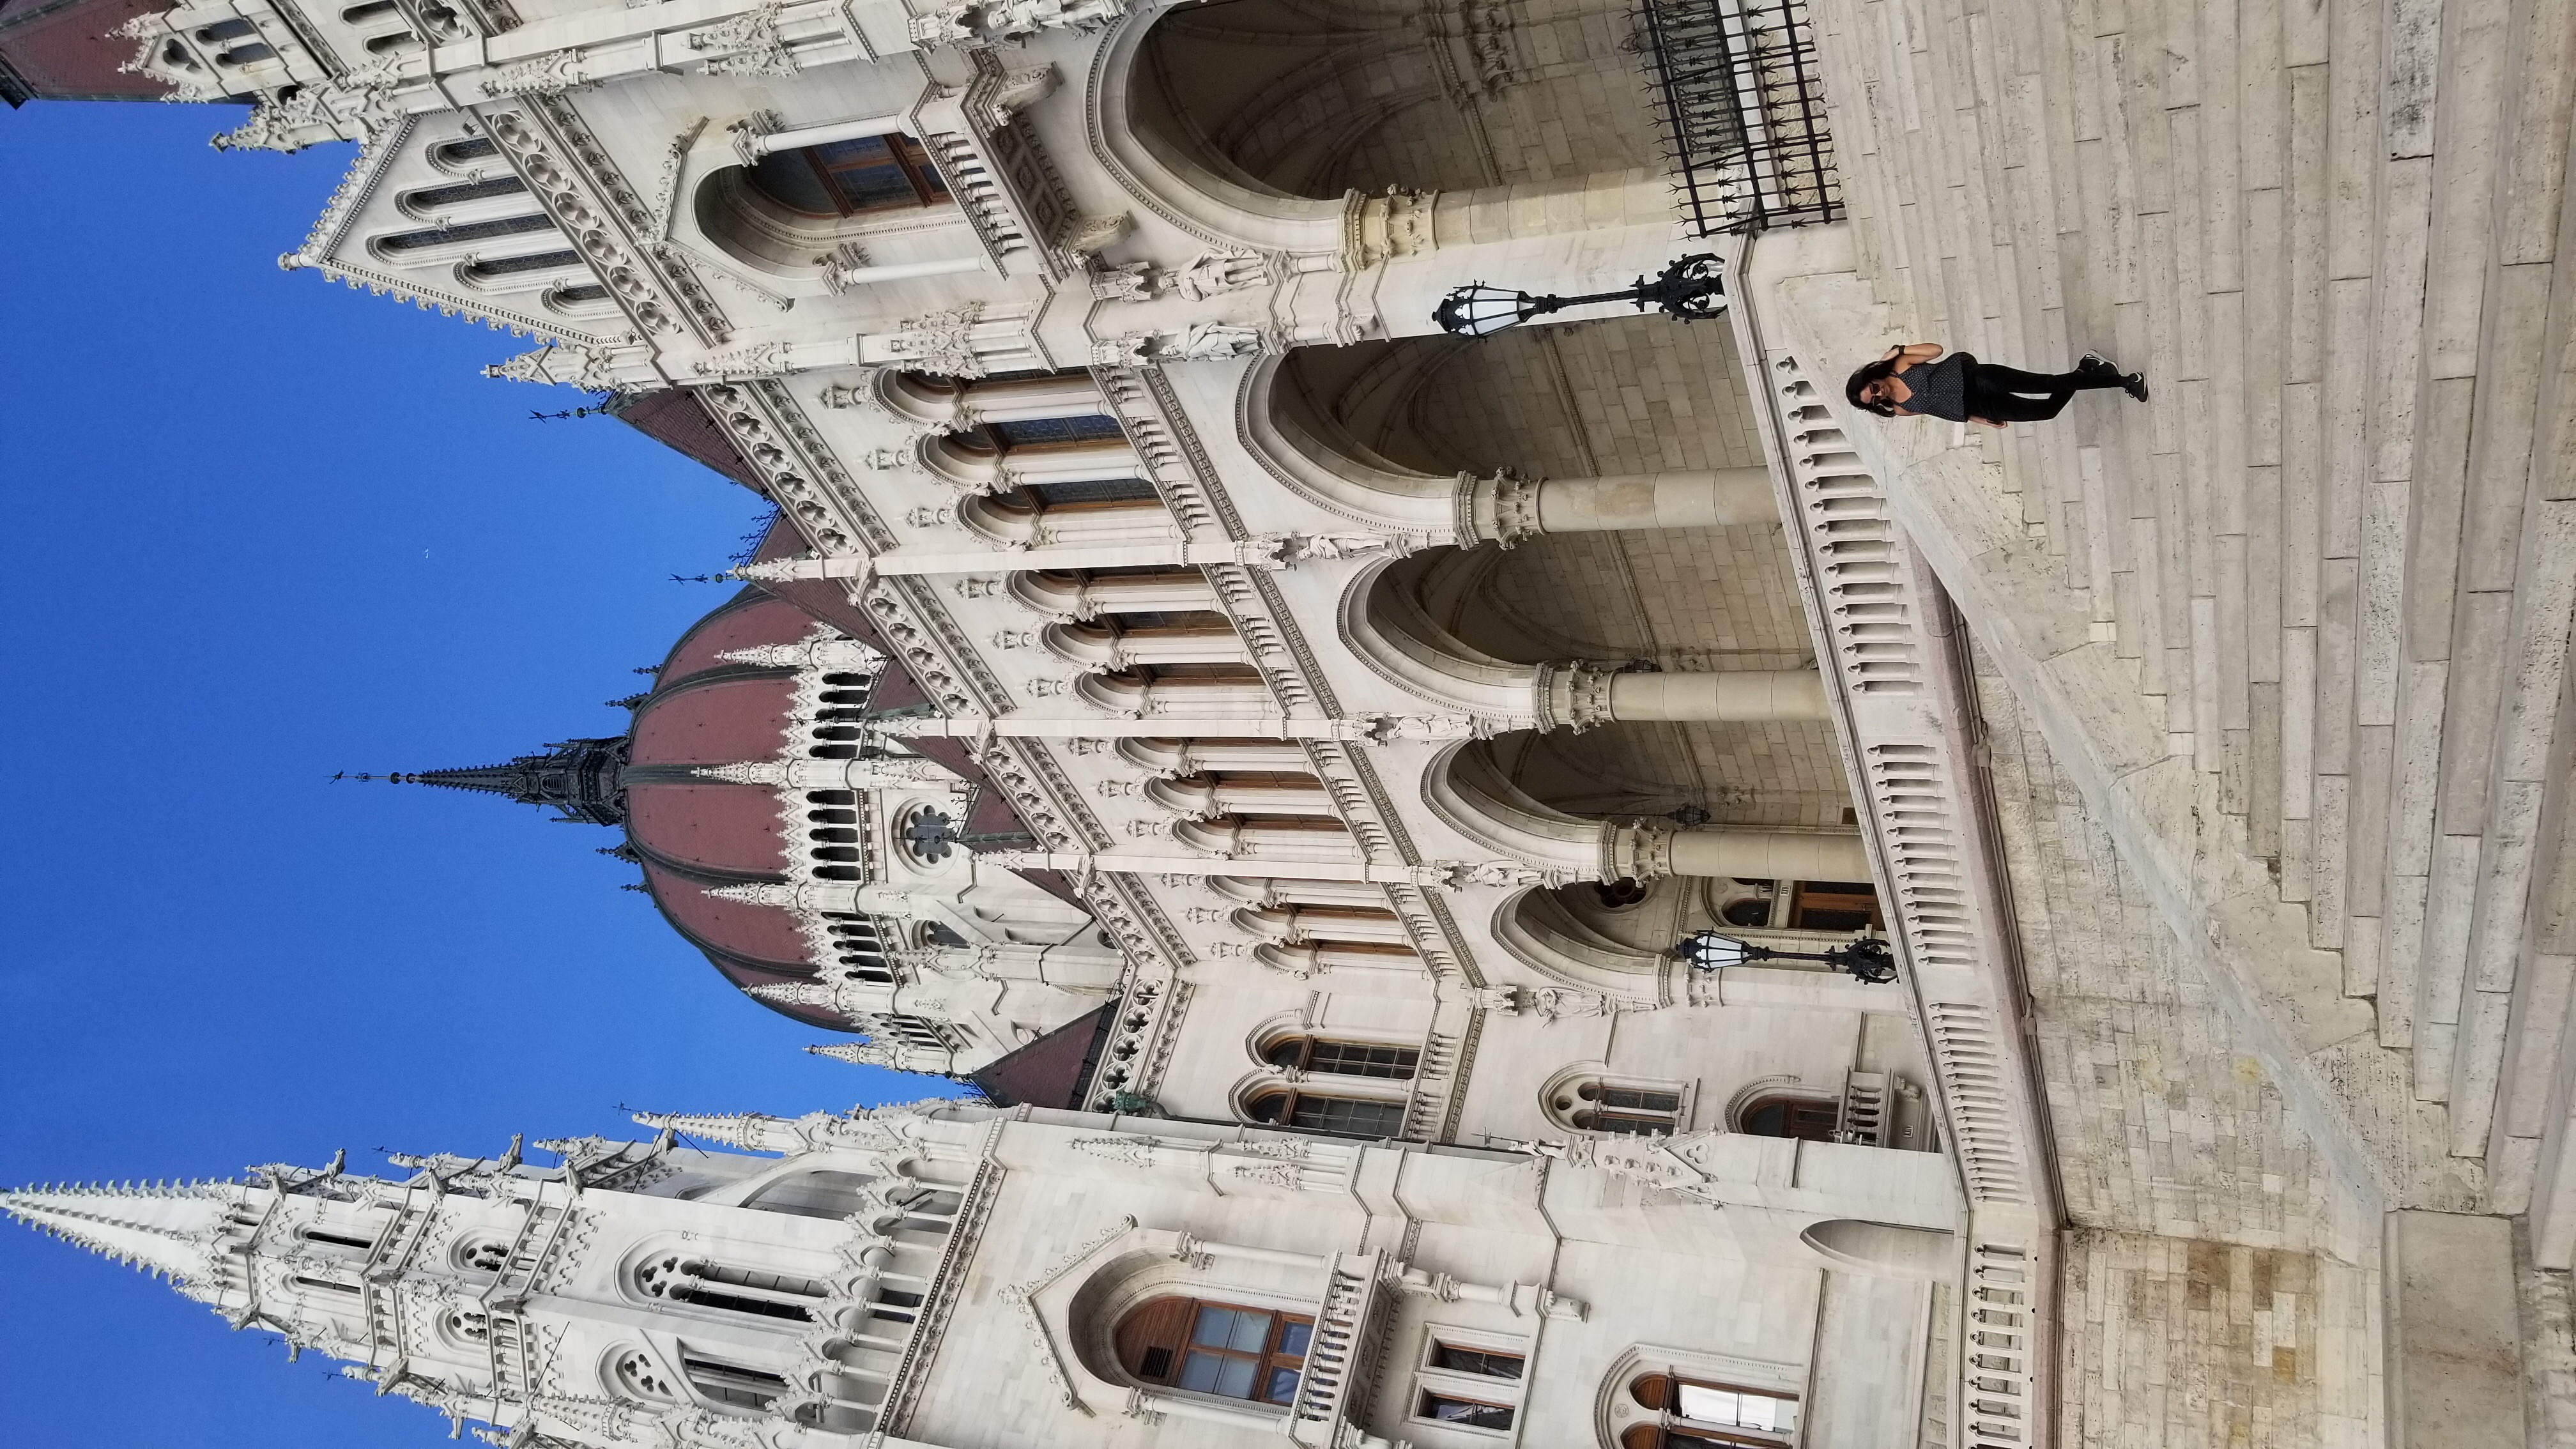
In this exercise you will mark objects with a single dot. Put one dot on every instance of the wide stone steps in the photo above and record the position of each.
(2327, 232)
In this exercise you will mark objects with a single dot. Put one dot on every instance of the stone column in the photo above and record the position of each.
(1580, 697)
(1646, 850)
(1571, 235)
(1508, 507)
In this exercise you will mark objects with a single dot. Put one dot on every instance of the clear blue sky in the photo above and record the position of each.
(259, 529)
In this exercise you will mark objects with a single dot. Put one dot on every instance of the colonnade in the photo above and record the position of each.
(1120, 592)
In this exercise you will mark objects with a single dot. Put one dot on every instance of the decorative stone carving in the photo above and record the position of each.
(1459, 874)
(1010, 93)
(361, 101)
(753, 43)
(1379, 228)
(550, 74)
(1213, 273)
(1128, 351)
(1209, 342)
(1505, 999)
(1275, 1174)
(1136, 1152)
(1129, 282)
(940, 343)
(592, 369)
(585, 219)
(758, 359)
(1299, 547)
(1088, 235)
(748, 772)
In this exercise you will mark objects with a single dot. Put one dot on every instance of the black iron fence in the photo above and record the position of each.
(1742, 106)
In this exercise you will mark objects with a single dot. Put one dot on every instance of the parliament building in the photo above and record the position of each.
(1527, 879)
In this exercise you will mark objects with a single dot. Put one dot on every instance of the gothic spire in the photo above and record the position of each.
(167, 1229)
(584, 780)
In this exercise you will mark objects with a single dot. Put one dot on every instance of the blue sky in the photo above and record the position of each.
(262, 529)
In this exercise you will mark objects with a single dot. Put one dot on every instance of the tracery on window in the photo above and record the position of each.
(1226, 1350)
(637, 1374)
(676, 1278)
(1607, 1104)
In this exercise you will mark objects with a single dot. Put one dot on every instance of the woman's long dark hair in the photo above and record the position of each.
(1862, 376)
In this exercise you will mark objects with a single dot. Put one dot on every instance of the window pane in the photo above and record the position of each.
(1199, 1372)
(1031, 432)
(1490, 1364)
(1293, 1340)
(1282, 1388)
(1214, 1326)
(1357, 1059)
(1350, 1114)
(1251, 1331)
(1234, 1377)
(1466, 1411)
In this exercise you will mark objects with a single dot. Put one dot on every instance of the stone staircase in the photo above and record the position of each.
(2306, 615)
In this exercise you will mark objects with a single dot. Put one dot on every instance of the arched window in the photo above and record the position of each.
(821, 1193)
(1344, 1058)
(639, 1376)
(852, 178)
(349, 1242)
(1324, 1112)
(498, 267)
(471, 231)
(1695, 1412)
(482, 1254)
(1790, 1114)
(1635, 1109)
(726, 1382)
(676, 1279)
(1223, 1349)
(457, 153)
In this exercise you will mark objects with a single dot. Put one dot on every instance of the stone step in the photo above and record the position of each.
(2295, 219)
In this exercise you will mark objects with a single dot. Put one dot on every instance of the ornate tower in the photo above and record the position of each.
(584, 780)
(639, 1292)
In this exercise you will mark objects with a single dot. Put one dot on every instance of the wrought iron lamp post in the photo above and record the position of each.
(1867, 959)
(1686, 291)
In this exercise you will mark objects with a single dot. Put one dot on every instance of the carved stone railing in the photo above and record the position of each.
(1905, 710)
(1340, 1355)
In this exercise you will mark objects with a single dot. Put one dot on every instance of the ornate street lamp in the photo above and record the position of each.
(1867, 959)
(1687, 291)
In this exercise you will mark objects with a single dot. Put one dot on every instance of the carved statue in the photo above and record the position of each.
(1216, 272)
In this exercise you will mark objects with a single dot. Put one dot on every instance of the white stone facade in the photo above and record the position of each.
(1381, 709)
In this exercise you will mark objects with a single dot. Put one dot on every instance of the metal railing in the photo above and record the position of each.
(1741, 102)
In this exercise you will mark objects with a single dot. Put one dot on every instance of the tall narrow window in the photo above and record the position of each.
(1466, 1413)
(1695, 1412)
(1323, 1112)
(1785, 1114)
(1345, 1058)
(1223, 1349)
(1635, 1109)
(726, 1382)
(1469, 1381)
(852, 178)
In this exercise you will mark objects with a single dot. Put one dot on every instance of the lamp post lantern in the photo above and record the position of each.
(1867, 959)
(1686, 291)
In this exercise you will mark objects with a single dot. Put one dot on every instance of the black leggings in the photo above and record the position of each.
(1997, 393)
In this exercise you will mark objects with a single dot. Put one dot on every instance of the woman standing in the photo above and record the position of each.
(1907, 383)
